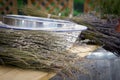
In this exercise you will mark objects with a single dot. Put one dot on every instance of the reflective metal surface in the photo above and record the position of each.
(38, 23)
(101, 53)
(28, 21)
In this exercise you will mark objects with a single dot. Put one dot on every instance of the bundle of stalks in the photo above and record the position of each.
(33, 50)
(100, 32)
(37, 50)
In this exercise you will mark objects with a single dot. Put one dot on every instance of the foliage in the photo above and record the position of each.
(110, 7)
(78, 7)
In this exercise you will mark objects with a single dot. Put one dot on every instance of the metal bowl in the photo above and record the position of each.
(38, 23)
(67, 30)
(33, 22)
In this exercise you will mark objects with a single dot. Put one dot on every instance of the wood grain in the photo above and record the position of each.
(11, 73)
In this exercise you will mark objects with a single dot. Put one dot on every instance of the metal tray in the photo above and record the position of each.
(38, 23)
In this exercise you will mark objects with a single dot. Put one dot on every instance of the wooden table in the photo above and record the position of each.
(10, 73)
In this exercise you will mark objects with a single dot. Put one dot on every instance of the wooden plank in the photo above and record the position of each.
(19, 74)
(48, 76)
(70, 6)
(14, 8)
(4, 71)
(83, 50)
(86, 6)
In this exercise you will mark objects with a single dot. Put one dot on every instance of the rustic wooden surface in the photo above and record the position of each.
(83, 50)
(10, 73)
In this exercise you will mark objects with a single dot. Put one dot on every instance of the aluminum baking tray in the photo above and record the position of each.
(38, 23)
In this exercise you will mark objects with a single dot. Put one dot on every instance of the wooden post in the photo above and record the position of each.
(70, 5)
(86, 7)
(29, 2)
(14, 8)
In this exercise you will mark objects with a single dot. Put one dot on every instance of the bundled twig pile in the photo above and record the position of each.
(39, 50)
(101, 32)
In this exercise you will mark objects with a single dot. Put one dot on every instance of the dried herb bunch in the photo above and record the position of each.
(33, 50)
